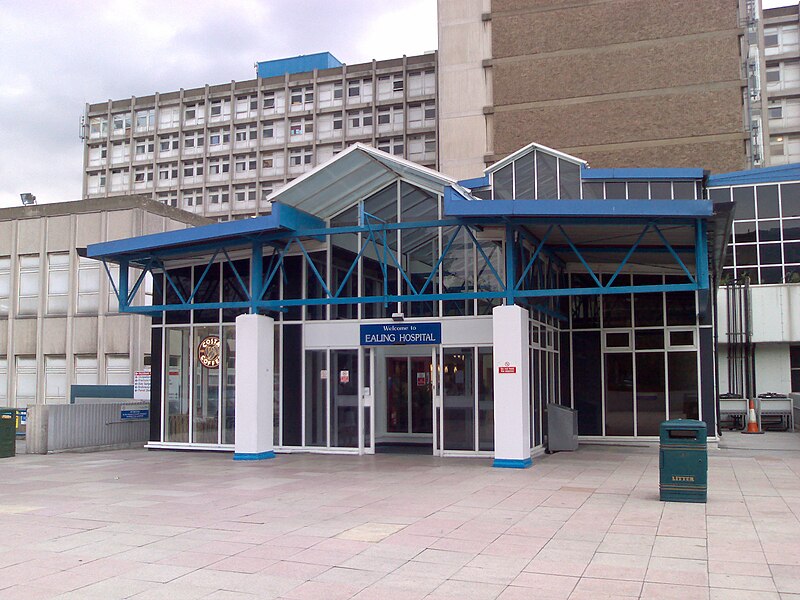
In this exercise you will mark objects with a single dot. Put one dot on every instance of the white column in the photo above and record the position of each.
(254, 387)
(512, 391)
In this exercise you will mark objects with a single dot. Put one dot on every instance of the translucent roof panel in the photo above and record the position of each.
(350, 176)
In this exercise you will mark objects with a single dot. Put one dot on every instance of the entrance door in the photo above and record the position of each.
(409, 391)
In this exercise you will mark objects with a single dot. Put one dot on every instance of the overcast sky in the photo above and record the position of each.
(56, 55)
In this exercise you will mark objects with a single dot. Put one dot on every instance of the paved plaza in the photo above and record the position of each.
(583, 525)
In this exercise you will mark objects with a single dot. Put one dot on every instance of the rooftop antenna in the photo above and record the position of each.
(28, 199)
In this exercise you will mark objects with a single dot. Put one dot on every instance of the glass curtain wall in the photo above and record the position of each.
(647, 346)
(200, 353)
(467, 399)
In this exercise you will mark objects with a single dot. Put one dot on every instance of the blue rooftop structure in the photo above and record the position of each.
(297, 64)
(761, 175)
(637, 174)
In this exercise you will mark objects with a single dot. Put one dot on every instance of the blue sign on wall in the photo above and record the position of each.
(136, 414)
(401, 334)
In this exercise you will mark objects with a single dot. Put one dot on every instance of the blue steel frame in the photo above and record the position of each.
(531, 276)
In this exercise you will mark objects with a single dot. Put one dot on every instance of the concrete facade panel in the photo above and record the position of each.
(84, 335)
(716, 156)
(28, 236)
(90, 230)
(6, 239)
(58, 234)
(534, 27)
(632, 119)
(773, 368)
(119, 225)
(117, 334)
(612, 70)
(54, 338)
(25, 336)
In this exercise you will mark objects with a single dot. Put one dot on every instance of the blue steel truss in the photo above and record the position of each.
(533, 269)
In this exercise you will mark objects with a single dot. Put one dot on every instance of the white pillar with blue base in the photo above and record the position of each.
(512, 391)
(255, 362)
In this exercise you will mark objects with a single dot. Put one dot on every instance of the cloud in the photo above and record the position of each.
(57, 56)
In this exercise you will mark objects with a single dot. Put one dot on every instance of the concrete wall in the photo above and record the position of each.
(775, 313)
(63, 228)
(465, 87)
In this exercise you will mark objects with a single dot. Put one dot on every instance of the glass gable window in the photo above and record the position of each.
(537, 174)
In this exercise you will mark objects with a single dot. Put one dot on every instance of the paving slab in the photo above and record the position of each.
(587, 524)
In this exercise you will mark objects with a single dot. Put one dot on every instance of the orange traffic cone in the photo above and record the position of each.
(752, 423)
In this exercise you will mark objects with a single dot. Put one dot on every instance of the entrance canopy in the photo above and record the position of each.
(373, 228)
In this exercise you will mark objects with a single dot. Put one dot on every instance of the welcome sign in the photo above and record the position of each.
(401, 334)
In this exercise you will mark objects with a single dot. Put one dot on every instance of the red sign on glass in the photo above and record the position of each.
(506, 369)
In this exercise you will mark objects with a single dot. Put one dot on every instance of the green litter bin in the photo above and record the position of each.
(8, 431)
(683, 461)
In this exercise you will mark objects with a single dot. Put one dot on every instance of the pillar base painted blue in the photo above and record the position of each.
(512, 463)
(253, 455)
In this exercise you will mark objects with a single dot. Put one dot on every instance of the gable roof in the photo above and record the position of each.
(353, 174)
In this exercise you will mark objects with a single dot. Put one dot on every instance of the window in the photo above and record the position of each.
(218, 166)
(295, 128)
(168, 116)
(245, 193)
(770, 39)
(168, 143)
(299, 157)
(142, 175)
(86, 369)
(121, 123)
(330, 94)
(218, 195)
(57, 283)
(25, 381)
(245, 163)
(4, 380)
(168, 172)
(98, 127)
(794, 359)
(28, 302)
(218, 137)
(55, 379)
(246, 132)
(5, 285)
(193, 141)
(145, 119)
(144, 148)
(216, 108)
(88, 286)
(775, 111)
(773, 74)
(193, 198)
(192, 169)
(118, 369)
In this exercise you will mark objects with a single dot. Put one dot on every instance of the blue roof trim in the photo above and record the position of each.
(588, 174)
(304, 63)
(282, 217)
(455, 205)
(475, 182)
(762, 175)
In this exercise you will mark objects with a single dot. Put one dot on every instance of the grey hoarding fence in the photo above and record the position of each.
(59, 427)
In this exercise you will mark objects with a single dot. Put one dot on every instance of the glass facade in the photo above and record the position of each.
(765, 245)
(648, 345)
